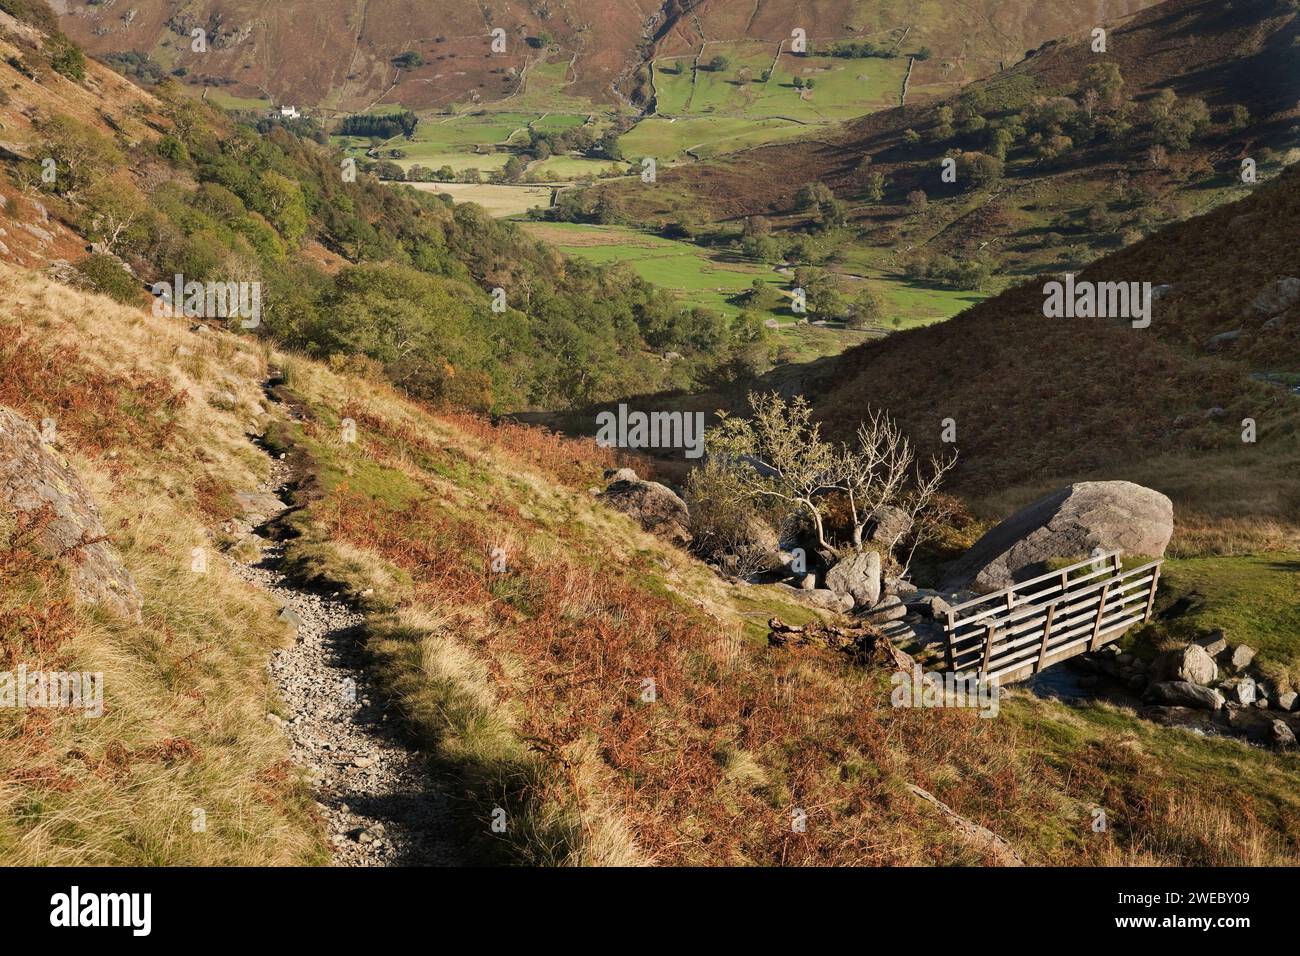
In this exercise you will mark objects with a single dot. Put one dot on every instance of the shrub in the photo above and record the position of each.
(105, 274)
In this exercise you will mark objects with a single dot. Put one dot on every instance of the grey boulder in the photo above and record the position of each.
(1067, 524)
(1278, 296)
(857, 576)
(1183, 694)
(1191, 663)
(34, 478)
(657, 508)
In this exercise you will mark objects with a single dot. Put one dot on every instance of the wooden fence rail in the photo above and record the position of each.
(1015, 632)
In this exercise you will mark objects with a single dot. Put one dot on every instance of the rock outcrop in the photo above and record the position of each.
(657, 507)
(857, 576)
(1067, 524)
(1277, 297)
(35, 478)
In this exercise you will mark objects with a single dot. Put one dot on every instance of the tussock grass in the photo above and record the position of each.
(535, 676)
(186, 691)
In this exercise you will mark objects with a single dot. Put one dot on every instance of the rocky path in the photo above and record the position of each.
(381, 804)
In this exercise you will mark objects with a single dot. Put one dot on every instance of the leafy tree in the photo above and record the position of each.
(82, 154)
(66, 58)
(875, 186)
(867, 308)
(1106, 81)
(978, 169)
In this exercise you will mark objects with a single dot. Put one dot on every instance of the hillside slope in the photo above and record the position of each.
(513, 624)
(119, 189)
(1038, 401)
(339, 55)
(1060, 158)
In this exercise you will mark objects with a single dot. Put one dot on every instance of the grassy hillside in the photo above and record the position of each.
(160, 186)
(153, 419)
(1060, 158)
(527, 684)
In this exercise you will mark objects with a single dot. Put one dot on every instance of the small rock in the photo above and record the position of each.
(1282, 735)
(1242, 655)
(1223, 340)
(363, 762)
(1288, 701)
(1240, 691)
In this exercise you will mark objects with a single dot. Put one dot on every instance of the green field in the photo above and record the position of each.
(709, 279)
(710, 112)
(575, 167)
(842, 88)
(480, 140)
(668, 139)
(694, 273)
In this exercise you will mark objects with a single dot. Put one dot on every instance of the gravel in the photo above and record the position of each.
(382, 805)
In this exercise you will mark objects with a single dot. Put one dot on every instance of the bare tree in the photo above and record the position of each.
(778, 454)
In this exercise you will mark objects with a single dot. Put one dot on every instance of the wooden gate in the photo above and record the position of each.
(1015, 632)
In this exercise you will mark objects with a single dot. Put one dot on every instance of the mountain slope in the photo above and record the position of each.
(512, 623)
(608, 697)
(339, 55)
(1038, 401)
(147, 186)
(1047, 176)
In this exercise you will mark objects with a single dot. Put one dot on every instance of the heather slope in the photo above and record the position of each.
(1041, 401)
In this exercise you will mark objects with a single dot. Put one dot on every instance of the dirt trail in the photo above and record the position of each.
(382, 805)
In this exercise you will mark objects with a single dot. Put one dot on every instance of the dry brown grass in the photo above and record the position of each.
(186, 691)
(534, 676)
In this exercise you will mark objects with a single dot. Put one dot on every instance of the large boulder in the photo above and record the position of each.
(1067, 524)
(34, 478)
(887, 525)
(1277, 297)
(1191, 663)
(657, 507)
(1179, 693)
(857, 576)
